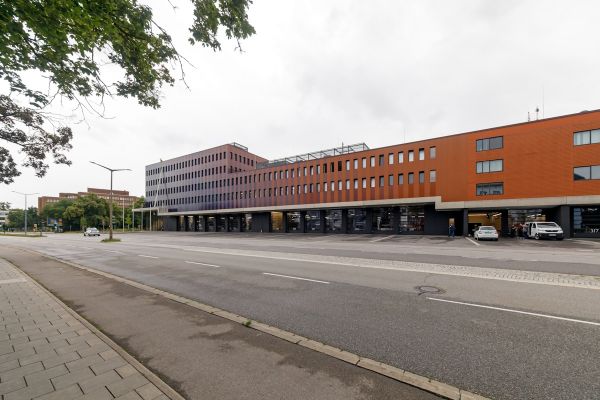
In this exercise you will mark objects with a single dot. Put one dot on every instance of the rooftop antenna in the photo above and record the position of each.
(543, 103)
(537, 113)
(528, 117)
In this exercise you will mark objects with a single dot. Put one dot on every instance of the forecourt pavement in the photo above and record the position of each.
(509, 320)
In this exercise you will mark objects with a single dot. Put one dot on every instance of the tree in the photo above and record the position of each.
(68, 42)
(16, 218)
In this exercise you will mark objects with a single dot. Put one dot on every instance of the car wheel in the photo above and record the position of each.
(537, 236)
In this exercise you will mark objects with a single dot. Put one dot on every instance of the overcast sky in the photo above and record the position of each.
(319, 73)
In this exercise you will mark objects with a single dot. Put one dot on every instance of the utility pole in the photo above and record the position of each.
(123, 209)
(25, 211)
(110, 204)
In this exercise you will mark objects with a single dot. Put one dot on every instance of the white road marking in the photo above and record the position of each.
(516, 311)
(296, 277)
(381, 239)
(472, 241)
(206, 265)
(142, 255)
(115, 251)
(16, 280)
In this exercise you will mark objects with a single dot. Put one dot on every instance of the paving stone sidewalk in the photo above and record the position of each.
(46, 353)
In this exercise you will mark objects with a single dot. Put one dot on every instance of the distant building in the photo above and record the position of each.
(3, 217)
(120, 197)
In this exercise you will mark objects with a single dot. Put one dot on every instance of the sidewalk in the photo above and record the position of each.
(46, 353)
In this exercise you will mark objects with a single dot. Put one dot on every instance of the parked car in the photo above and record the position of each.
(486, 233)
(544, 230)
(91, 232)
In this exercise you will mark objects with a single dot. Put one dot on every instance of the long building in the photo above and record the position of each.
(120, 197)
(543, 170)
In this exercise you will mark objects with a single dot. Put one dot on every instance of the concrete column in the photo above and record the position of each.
(178, 223)
(284, 222)
(465, 222)
(302, 222)
(195, 227)
(322, 219)
(396, 219)
(186, 223)
(345, 220)
(226, 223)
(564, 220)
(238, 219)
(369, 220)
(505, 230)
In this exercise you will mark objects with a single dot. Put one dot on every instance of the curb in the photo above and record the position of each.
(151, 376)
(422, 382)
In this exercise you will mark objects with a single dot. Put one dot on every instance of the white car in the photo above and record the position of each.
(486, 233)
(91, 232)
(545, 230)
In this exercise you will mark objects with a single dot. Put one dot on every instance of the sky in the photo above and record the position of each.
(321, 73)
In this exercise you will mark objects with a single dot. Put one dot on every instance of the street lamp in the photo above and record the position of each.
(25, 195)
(110, 204)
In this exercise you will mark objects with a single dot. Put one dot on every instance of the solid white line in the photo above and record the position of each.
(516, 311)
(295, 277)
(115, 251)
(472, 241)
(206, 265)
(141, 255)
(381, 239)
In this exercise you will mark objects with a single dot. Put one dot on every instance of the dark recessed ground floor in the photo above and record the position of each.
(579, 221)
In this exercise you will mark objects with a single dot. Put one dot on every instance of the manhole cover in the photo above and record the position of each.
(429, 290)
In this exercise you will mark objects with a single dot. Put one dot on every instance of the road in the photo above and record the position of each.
(509, 320)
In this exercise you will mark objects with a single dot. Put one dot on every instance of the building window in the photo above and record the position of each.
(311, 188)
(381, 181)
(421, 176)
(347, 184)
(372, 161)
(391, 180)
(432, 175)
(305, 189)
(304, 170)
(432, 152)
(318, 187)
(347, 165)
(339, 166)
(411, 156)
(324, 186)
(318, 169)
(411, 178)
(312, 170)
(332, 186)
(400, 157)
(364, 183)
(484, 167)
(356, 184)
(421, 154)
(484, 189)
(489, 143)
(586, 173)
(586, 137)
(400, 179)
(355, 163)
(391, 158)
(364, 162)
(372, 181)
(381, 160)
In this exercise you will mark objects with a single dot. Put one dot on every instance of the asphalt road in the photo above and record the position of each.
(510, 320)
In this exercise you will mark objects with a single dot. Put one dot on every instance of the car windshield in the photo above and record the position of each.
(487, 228)
(547, 225)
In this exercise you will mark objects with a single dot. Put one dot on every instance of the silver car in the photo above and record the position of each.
(91, 232)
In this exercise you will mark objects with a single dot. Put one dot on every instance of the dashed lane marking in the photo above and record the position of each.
(204, 264)
(296, 277)
(580, 321)
(145, 256)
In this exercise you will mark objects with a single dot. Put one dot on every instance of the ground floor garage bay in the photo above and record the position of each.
(580, 221)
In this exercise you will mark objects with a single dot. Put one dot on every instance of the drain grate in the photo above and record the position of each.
(428, 289)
